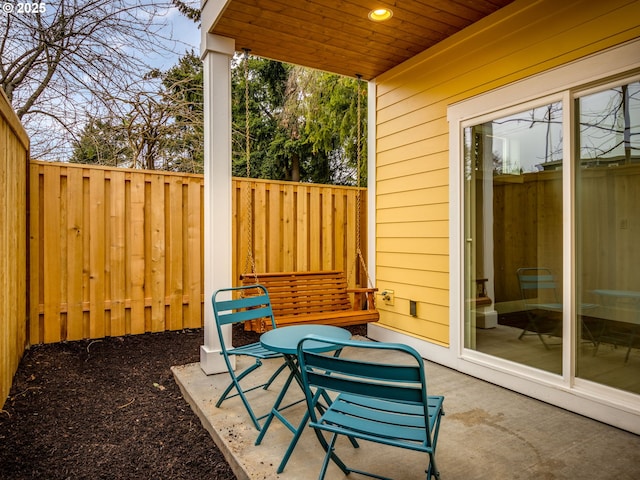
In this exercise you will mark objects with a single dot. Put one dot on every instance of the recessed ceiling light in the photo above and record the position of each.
(380, 14)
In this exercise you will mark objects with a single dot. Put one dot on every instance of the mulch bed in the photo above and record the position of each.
(109, 409)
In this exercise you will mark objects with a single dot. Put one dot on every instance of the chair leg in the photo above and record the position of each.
(235, 382)
(330, 452)
(532, 326)
(275, 375)
(274, 410)
(432, 471)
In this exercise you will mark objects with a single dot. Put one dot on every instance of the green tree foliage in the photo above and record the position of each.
(265, 82)
(303, 123)
(102, 143)
(183, 88)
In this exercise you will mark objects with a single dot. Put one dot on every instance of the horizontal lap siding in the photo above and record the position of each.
(14, 158)
(412, 194)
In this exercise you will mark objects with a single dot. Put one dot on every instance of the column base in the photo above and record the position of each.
(211, 361)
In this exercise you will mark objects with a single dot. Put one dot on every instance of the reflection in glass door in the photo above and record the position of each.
(513, 237)
(608, 233)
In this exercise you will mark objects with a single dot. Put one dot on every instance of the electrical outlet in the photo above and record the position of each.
(388, 297)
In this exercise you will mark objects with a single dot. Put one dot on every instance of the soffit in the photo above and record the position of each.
(337, 35)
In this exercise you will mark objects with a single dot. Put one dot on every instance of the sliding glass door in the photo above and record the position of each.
(513, 234)
(515, 212)
(608, 233)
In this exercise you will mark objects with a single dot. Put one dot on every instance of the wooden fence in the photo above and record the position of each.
(14, 159)
(118, 252)
(298, 227)
(114, 252)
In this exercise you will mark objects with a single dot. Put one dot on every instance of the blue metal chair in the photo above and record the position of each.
(255, 306)
(377, 401)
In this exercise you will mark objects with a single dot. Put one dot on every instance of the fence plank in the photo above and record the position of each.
(314, 253)
(174, 253)
(36, 256)
(156, 252)
(75, 243)
(260, 217)
(288, 229)
(302, 223)
(136, 260)
(97, 326)
(327, 219)
(51, 264)
(194, 256)
(274, 222)
(117, 281)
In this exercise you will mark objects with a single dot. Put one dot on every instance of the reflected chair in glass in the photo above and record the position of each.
(543, 305)
(373, 400)
(244, 304)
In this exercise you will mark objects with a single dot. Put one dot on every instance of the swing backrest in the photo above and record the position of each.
(304, 293)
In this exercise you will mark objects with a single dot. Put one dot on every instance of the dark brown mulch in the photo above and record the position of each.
(109, 409)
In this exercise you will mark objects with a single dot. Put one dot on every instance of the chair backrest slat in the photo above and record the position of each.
(253, 307)
(376, 379)
(537, 282)
(373, 370)
(385, 391)
(244, 315)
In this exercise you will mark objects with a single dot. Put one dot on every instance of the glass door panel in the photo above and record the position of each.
(513, 237)
(607, 236)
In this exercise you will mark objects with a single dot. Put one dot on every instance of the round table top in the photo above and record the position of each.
(285, 339)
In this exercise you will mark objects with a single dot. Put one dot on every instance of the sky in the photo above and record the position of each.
(186, 33)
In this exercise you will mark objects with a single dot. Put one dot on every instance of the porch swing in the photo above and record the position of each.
(319, 297)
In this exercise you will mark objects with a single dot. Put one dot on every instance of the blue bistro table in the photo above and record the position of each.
(285, 340)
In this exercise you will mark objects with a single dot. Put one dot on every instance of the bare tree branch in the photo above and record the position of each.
(71, 61)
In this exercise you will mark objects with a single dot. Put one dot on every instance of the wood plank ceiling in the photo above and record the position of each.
(337, 35)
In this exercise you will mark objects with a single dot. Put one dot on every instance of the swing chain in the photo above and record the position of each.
(360, 257)
(250, 264)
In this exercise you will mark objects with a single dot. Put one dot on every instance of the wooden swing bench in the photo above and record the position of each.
(319, 297)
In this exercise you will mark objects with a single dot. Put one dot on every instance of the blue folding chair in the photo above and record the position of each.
(381, 402)
(250, 303)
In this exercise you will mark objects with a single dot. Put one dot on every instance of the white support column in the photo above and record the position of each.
(372, 102)
(216, 54)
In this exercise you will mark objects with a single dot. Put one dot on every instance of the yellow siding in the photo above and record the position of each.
(412, 194)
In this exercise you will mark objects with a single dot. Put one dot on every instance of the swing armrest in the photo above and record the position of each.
(363, 297)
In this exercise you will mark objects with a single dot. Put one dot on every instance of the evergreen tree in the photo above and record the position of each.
(102, 143)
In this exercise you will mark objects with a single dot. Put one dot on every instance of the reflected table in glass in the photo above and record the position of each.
(285, 340)
(610, 298)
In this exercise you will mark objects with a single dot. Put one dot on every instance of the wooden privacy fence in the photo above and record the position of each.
(118, 251)
(298, 227)
(14, 160)
(113, 252)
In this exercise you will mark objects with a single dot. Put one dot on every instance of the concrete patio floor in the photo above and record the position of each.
(488, 432)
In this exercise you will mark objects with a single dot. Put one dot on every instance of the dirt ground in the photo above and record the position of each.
(109, 409)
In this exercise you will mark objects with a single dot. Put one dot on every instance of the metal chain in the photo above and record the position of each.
(359, 191)
(250, 264)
